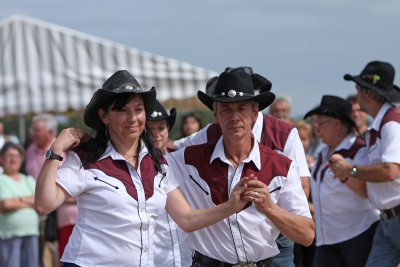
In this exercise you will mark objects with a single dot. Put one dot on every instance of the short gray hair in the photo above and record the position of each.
(48, 119)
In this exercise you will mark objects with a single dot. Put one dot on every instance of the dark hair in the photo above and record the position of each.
(352, 99)
(8, 145)
(191, 115)
(93, 147)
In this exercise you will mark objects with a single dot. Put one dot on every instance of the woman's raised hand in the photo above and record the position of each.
(67, 139)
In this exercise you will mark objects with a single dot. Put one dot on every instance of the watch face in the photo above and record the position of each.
(51, 155)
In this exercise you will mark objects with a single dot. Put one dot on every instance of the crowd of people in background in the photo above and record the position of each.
(255, 186)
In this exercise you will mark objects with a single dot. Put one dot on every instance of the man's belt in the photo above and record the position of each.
(210, 262)
(390, 213)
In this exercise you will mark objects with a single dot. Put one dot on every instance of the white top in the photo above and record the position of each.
(293, 148)
(206, 178)
(340, 214)
(117, 209)
(384, 195)
(167, 243)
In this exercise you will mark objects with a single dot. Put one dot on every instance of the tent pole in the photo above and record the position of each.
(22, 129)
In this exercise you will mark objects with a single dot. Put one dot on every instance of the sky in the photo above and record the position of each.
(303, 47)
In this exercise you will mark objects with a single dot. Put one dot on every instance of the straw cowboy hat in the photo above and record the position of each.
(119, 83)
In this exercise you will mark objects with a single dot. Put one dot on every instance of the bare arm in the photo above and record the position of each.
(193, 219)
(48, 194)
(12, 204)
(357, 186)
(378, 172)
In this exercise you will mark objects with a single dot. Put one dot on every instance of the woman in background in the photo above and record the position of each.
(19, 223)
(191, 123)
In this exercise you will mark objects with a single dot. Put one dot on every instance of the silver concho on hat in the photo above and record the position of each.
(232, 93)
(155, 114)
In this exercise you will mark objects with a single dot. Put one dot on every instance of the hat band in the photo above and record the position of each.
(156, 114)
(233, 93)
(375, 79)
(129, 87)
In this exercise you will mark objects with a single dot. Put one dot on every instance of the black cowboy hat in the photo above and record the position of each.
(235, 87)
(378, 76)
(335, 107)
(159, 113)
(120, 82)
(260, 83)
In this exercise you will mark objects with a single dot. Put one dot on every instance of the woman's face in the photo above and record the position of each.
(305, 139)
(12, 161)
(326, 128)
(159, 131)
(190, 126)
(126, 124)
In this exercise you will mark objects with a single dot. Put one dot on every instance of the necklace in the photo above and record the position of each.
(235, 162)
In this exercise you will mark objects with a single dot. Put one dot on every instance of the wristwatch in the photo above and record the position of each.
(51, 155)
(353, 171)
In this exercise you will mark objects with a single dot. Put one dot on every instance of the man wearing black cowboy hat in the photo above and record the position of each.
(208, 171)
(376, 92)
(345, 221)
(270, 131)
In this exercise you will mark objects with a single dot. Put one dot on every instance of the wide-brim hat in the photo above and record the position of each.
(119, 83)
(335, 107)
(379, 77)
(259, 82)
(234, 87)
(159, 113)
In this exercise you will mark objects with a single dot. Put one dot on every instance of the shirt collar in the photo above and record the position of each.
(111, 152)
(258, 126)
(254, 154)
(347, 142)
(376, 123)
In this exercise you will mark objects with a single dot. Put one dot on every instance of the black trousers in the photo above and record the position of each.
(351, 253)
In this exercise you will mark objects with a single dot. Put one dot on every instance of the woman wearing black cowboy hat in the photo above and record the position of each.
(344, 218)
(168, 246)
(119, 180)
(376, 93)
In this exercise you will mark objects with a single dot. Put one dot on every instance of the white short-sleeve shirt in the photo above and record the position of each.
(206, 178)
(117, 208)
(384, 148)
(167, 242)
(340, 214)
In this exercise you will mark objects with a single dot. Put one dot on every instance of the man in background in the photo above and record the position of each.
(43, 132)
(281, 109)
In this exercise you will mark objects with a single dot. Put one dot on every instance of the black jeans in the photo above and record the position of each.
(351, 253)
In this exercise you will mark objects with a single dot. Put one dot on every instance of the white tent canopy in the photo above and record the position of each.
(48, 68)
